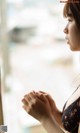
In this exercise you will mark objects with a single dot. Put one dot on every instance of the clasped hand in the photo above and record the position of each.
(39, 105)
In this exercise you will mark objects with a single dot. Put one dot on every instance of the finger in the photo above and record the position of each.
(33, 91)
(49, 98)
(30, 95)
(42, 92)
(34, 96)
(25, 108)
(24, 101)
(30, 98)
(43, 98)
(47, 95)
(27, 97)
(51, 101)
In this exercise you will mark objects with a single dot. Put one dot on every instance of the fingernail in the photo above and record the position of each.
(33, 91)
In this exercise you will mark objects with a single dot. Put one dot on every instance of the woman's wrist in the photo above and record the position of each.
(46, 119)
(49, 122)
(51, 125)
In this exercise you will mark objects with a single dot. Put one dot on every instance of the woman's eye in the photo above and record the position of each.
(70, 20)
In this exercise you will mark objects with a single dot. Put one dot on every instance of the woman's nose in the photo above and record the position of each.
(65, 29)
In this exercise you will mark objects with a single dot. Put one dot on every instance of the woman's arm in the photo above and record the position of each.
(58, 116)
(55, 111)
(51, 126)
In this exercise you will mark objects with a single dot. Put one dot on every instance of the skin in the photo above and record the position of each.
(72, 34)
(40, 105)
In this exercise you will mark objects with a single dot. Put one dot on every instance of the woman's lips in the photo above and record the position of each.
(67, 40)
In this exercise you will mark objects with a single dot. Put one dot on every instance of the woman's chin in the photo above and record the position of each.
(73, 49)
(68, 42)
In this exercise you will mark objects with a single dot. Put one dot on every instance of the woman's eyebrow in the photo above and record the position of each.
(69, 15)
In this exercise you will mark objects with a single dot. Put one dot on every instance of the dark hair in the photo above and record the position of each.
(75, 11)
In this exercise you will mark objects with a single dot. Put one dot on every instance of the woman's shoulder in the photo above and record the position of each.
(73, 98)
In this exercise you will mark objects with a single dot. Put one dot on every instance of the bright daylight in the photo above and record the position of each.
(34, 55)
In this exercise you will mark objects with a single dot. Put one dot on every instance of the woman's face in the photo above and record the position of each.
(72, 34)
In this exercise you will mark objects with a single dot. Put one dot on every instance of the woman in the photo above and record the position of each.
(41, 106)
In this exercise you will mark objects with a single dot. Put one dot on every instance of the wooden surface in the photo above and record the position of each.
(1, 110)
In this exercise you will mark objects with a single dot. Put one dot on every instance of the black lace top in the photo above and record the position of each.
(71, 116)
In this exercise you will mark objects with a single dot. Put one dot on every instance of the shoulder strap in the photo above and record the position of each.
(70, 96)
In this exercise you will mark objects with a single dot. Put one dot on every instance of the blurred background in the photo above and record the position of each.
(34, 56)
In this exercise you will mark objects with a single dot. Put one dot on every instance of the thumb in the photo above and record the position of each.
(43, 98)
(47, 96)
(51, 101)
